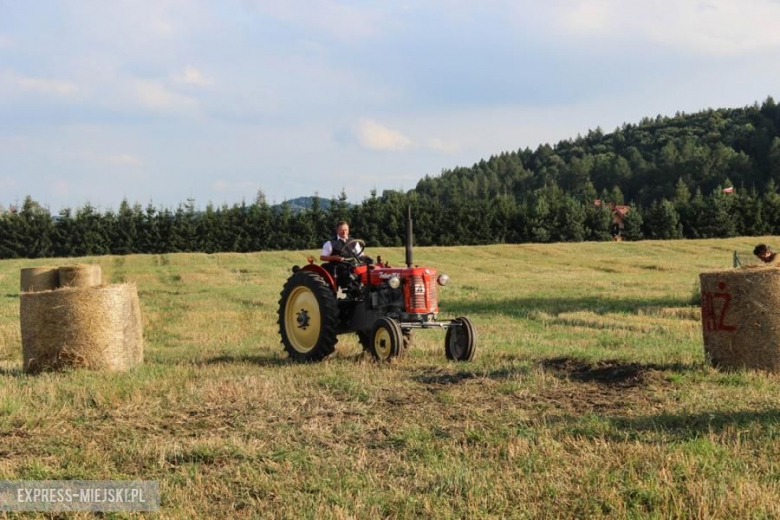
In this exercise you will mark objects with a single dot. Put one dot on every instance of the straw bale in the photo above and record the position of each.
(80, 275)
(741, 318)
(92, 327)
(34, 279)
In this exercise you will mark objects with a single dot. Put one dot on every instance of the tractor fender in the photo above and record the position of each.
(322, 272)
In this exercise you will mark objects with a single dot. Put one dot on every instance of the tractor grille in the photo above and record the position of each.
(421, 289)
(418, 292)
(432, 296)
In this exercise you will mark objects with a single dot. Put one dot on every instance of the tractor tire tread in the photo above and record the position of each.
(326, 343)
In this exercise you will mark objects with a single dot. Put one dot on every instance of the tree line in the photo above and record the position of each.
(670, 171)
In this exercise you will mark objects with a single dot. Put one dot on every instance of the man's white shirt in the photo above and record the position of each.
(327, 247)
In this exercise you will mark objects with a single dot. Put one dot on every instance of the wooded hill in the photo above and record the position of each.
(670, 170)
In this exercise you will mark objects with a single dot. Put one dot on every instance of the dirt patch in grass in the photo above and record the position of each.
(594, 399)
(443, 376)
(603, 387)
(610, 373)
(608, 388)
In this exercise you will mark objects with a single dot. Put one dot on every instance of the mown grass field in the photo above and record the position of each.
(589, 395)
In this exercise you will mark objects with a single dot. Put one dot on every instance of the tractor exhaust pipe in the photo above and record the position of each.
(409, 237)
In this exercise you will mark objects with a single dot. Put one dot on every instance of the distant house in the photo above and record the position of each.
(619, 213)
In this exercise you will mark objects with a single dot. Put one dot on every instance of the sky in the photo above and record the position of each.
(158, 101)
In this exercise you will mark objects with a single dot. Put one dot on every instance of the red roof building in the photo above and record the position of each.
(619, 213)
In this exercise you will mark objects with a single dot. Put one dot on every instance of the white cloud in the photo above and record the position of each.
(590, 16)
(374, 136)
(44, 86)
(134, 25)
(154, 96)
(6, 42)
(717, 27)
(192, 76)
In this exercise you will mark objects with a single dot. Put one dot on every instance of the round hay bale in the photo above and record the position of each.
(740, 310)
(34, 279)
(80, 275)
(91, 327)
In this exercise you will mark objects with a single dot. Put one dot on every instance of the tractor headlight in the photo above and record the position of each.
(443, 279)
(394, 282)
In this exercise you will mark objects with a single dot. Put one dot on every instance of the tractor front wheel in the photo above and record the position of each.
(308, 316)
(461, 340)
(365, 340)
(386, 339)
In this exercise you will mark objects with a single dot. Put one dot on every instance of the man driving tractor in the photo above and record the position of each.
(332, 249)
(381, 304)
(334, 253)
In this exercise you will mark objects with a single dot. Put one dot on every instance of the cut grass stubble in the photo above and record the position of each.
(589, 396)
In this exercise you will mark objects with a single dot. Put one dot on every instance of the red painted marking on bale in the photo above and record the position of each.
(711, 318)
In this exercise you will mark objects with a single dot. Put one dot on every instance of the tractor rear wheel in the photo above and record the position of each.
(386, 339)
(460, 341)
(308, 316)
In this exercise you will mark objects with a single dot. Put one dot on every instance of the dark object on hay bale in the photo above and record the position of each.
(740, 311)
(93, 327)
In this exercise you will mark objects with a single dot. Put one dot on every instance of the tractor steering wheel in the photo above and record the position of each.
(353, 251)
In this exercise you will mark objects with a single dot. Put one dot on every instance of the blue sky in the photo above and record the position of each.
(161, 100)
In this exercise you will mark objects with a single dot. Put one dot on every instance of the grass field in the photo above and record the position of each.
(589, 395)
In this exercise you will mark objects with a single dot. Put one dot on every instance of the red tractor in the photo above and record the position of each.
(382, 304)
